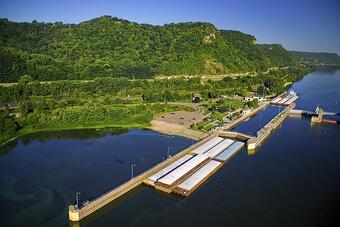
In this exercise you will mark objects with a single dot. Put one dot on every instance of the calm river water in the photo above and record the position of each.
(293, 179)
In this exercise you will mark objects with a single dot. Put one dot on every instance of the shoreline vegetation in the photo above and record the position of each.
(110, 102)
(125, 117)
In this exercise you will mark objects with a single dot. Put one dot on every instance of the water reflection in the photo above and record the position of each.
(40, 173)
(83, 134)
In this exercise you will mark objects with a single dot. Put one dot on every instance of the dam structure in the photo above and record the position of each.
(318, 116)
(182, 173)
(263, 133)
(186, 171)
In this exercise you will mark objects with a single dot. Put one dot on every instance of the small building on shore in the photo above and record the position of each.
(260, 98)
(196, 98)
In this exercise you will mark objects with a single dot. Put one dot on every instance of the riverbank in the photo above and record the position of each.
(155, 125)
(159, 126)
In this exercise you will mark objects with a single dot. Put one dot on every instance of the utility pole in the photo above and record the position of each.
(168, 154)
(132, 165)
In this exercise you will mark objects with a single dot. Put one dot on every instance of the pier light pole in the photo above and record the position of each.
(77, 198)
(168, 154)
(132, 165)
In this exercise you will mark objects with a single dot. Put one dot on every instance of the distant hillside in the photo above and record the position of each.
(112, 47)
(317, 59)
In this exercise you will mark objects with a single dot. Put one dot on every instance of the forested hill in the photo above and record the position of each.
(112, 47)
(317, 59)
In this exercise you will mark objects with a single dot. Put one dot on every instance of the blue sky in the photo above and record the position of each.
(307, 25)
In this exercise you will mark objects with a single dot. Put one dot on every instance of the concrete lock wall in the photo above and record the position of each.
(76, 215)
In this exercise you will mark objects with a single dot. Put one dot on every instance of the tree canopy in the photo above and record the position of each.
(112, 47)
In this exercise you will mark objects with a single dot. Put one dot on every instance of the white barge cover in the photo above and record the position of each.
(219, 148)
(169, 168)
(199, 175)
(175, 175)
(207, 145)
(225, 155)
(284, 99)
(292, 99)
(276, 100)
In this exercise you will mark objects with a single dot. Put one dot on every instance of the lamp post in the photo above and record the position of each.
(132, 165)
(77, 199)
(168, 154)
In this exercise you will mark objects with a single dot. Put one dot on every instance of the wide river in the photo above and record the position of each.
(293, 179)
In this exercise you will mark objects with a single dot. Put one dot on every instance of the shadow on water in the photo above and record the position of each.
(39, 178)
(79, 134)
(7, 148)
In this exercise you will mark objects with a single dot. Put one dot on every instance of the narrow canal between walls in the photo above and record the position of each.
(293, 179)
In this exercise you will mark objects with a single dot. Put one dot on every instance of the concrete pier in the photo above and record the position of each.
(319, 116)
(262, 134)
(96, 204)
(302, 112)
(235, 135)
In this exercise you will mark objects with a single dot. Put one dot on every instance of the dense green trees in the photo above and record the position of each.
(40, 116)
(157, 90)
(317, 59)
(12, 63)
(87, 115)
(111, 47)
(8, 126)
(278, 56)
(253, 103)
